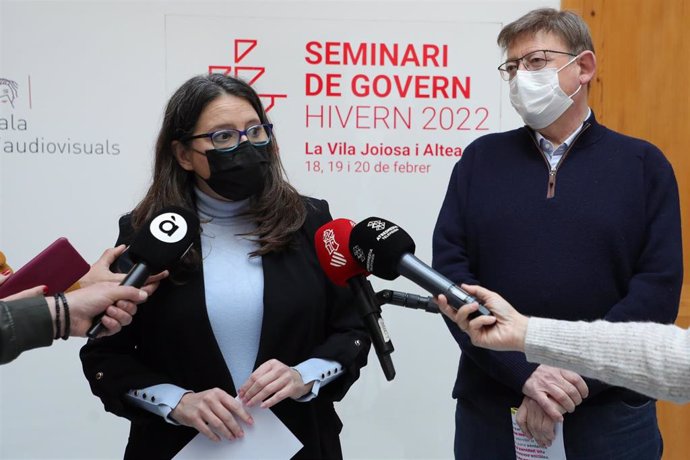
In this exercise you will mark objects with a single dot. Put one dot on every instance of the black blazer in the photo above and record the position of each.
(170, 341)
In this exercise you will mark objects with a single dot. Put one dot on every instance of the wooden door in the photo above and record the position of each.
(642, 89)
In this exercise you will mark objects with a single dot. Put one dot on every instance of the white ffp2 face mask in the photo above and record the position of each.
(538, 98)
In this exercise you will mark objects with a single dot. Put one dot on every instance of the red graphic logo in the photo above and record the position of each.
(332, 246)
(250, 74)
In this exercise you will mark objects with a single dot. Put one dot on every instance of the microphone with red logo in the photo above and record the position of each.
(331, 241)
(387, 251)
(162, 241)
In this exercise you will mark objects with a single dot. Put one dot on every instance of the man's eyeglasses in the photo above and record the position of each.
(536, 60)
(227, 140)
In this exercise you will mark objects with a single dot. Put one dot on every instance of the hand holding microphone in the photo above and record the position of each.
(387, 251)
(115, 304)
(505, 330)
(159, 244)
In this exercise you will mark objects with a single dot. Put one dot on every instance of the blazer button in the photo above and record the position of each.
(358, 342)
(99, 375)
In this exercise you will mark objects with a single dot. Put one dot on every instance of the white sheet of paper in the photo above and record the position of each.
(528, 449)
(268, 438)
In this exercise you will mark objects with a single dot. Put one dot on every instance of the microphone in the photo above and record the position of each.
(387, 251)
(331, 242)
(404, 299)
(163, 240)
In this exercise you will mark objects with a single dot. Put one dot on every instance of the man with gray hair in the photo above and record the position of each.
(566, 219)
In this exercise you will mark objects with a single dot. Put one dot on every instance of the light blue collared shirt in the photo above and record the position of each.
(554, 153)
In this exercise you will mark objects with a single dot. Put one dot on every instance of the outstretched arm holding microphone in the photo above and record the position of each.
(650, 358)
(31, 319)
(35, 321)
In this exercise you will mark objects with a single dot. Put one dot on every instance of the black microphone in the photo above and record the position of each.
(387, 251)
(331, 243)
(160, 243)
(405, 299)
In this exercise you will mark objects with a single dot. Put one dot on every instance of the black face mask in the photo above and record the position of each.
(240, 173)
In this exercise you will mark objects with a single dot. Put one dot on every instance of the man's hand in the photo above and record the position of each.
(535, 423)
(555, 390)
(118, 302)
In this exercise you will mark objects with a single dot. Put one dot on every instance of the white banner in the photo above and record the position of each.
(372, 102)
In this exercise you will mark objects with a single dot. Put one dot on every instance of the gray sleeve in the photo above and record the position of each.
(650, 358)
(24, 324)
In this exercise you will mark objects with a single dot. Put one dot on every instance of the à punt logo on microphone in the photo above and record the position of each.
(169, 227)
(240, 68)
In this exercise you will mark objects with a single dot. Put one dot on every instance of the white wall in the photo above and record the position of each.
(101, 72)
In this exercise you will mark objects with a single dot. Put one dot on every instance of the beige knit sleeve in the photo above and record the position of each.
(650, 358)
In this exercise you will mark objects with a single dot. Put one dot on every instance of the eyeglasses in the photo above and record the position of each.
(536, 60)
(227, 140)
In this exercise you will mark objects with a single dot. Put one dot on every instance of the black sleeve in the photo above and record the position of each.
(347, 341)
(111, 364)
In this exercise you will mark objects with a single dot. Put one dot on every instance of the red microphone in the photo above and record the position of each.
(332, 248)
(332, 243)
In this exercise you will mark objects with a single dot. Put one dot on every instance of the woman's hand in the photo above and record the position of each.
(100, 271)
(272, 382)
(213, 413)
(25, 294)
(505, 330)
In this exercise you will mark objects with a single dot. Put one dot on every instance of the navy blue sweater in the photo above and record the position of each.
(601, 239)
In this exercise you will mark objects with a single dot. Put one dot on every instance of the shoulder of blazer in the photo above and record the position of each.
(126, 229)
(318, 213)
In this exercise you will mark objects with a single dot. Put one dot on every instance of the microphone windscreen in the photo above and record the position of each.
(164, 238)
(378, 245)
(331, 243)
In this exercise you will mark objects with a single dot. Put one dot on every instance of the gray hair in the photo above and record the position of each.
(567, 25)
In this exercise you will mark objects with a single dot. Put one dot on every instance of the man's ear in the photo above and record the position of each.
(588, 66)
(182, 155)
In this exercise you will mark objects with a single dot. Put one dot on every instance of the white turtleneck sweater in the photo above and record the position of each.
(233, 282)
(234, 289)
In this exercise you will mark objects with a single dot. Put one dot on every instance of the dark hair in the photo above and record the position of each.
(278, 210)
(567, 25)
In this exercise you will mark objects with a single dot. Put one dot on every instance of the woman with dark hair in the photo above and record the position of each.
(248, 318)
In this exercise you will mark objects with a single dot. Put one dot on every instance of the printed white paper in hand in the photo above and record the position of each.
(528, 449)
(268, 438)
